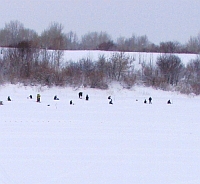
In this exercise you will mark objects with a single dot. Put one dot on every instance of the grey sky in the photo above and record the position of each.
(160, 20)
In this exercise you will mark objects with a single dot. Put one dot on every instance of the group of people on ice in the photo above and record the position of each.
(80, 95)
(150, 101)
(56, 98)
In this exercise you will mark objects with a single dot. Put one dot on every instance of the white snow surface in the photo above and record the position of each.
(93, 142)
(139, 57)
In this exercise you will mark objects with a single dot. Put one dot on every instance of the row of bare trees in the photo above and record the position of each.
(170, 73)
(41, 66)
(54, 38)
(33, 66)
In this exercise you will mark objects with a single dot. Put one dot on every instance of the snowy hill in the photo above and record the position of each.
(76, 55)
(138, 56)
(94, 142)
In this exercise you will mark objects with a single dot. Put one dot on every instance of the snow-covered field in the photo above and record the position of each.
(139, 56)
(92, 142)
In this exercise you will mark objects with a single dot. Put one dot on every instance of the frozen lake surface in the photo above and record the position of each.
(53, 142)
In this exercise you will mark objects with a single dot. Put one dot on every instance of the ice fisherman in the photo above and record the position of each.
(38, 97)
(150, 100)
(9, 99)
(55, 97)
(169, 102)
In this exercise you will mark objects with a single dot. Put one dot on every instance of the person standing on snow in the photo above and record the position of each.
(150, 100)
(38, 97)
(80, 94)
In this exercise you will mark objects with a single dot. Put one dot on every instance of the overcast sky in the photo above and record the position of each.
(160, 20)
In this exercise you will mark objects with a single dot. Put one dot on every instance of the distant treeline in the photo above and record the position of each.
(33, 66)
(14, 34)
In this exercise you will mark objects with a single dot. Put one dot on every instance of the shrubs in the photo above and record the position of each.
(33, 67)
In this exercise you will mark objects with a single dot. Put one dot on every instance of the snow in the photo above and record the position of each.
(94, 142)
(138, 56)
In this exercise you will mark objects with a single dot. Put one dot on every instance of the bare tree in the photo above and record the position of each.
(192, 76)
(170, 67)
(120, 64)
(170, 47)
(92, 40)
(71, 41)
(73, 74)
(121, 44)
(131, 43)
(139, 44)
(193, 45)
(150, 74)
(142, 43)
(53, 37)
(14, 33)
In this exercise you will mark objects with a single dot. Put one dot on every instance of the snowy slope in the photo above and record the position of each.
(94, 142)
(138, 56)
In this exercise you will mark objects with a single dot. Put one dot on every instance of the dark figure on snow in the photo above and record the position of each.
(169, 102)
(30, 96)
(80, 94)
(9, 99)
(145, 101)
(70, 102)
(109, 97)
(150, 100)
(87, 97)
(110, 101)
(38, 97)
(55, 97)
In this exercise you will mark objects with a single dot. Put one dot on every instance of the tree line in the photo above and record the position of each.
(33, 66)
(14, 33)
(34, 59)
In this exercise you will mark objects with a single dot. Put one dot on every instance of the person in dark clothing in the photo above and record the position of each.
(109, 97)
(87, 97)
(70, 102)
(150, 100)
(9, 99)
(110, 101)
(169, 102)
(55, 97)
(30, 96)
(145, 101)
(80, 94)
